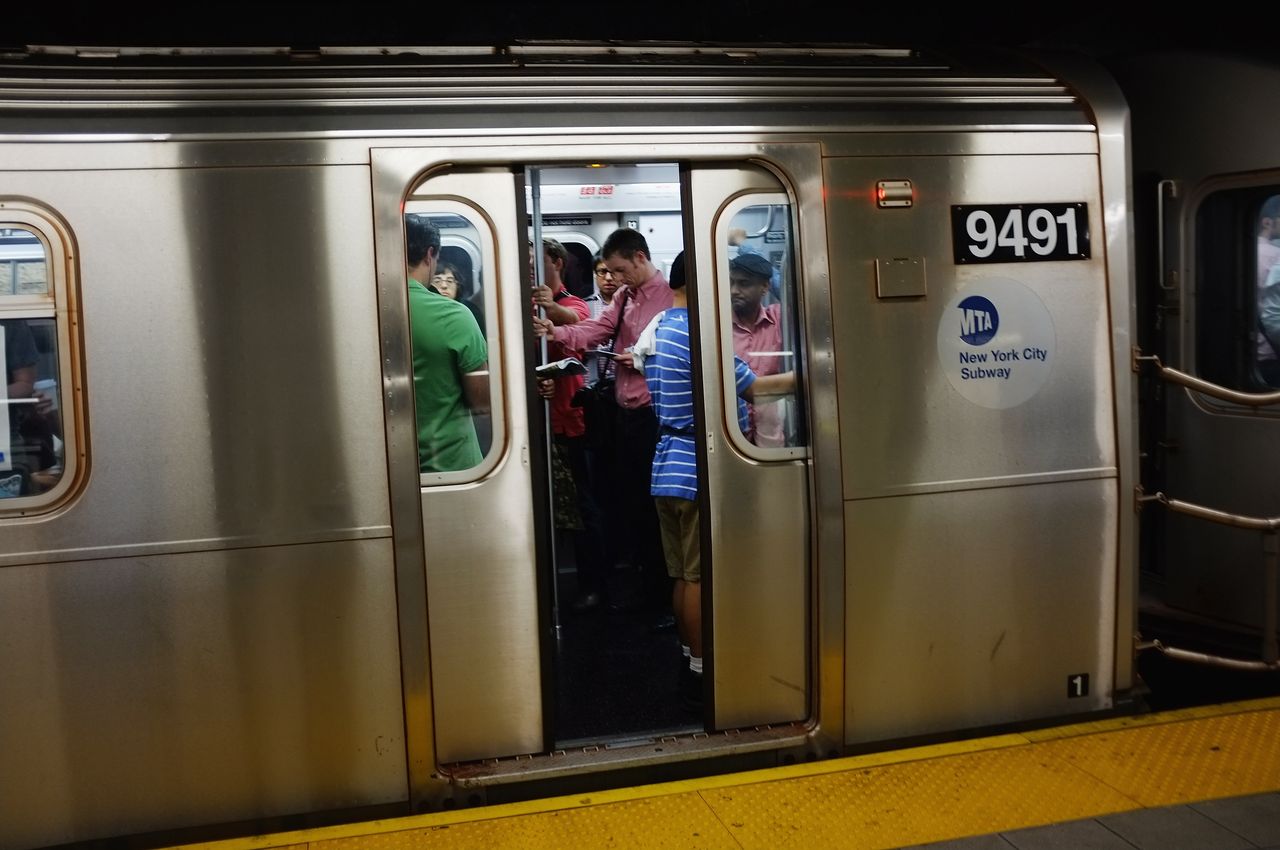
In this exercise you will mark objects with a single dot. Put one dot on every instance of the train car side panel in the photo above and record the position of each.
(993, 423)
(960, 620)
(211, 299)
(207, 630)
(274, 669)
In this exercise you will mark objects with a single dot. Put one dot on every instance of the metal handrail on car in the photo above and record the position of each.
(1268, 526)
(1191, 382)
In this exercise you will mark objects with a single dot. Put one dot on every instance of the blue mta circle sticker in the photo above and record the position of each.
(979, 320)
(990, 370)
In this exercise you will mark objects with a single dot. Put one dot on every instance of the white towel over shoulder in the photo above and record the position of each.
(646, 344)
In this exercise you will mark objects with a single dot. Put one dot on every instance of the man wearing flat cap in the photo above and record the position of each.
(757, 339)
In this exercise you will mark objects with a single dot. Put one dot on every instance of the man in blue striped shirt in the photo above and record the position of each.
(668, 370)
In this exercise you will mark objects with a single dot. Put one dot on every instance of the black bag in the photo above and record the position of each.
(597, 400)
(599, 411)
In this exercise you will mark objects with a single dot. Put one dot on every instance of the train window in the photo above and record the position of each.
(757, 292)
(1238, 297)
(34, 459)
(24, 268)
(1267, 305)
(451, 339)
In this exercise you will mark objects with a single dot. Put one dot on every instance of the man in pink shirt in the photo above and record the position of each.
(626, 254)
(757, 339)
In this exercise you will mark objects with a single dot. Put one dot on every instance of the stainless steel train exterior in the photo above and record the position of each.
(233, 599)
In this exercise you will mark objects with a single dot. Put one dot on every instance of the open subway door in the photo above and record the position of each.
(754, 456)
(463, 508)
(487, 665)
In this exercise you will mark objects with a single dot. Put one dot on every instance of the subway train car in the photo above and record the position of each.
(1019, 294)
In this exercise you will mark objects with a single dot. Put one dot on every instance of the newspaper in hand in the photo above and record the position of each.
(560, 368)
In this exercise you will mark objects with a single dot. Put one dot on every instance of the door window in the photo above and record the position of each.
(448, 256)
(34, 337)
(1238, 292)
(757, 294)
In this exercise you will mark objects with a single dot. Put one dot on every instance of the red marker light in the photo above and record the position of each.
(894, 193)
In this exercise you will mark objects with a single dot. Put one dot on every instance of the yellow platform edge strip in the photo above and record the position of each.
(773, 774)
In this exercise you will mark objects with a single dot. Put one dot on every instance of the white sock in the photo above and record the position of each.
(685, 650)
(695, 664)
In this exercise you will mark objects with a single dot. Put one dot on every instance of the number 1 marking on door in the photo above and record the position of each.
(1078, 685)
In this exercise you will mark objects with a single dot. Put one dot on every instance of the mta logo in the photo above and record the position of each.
(979, 320)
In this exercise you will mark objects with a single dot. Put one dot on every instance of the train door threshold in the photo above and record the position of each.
(636, 753)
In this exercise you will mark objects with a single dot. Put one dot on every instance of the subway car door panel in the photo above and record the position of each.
(757, 494)
(464, 527)
(981, 505)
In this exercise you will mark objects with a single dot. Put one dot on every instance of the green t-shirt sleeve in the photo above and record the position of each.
(472, 352)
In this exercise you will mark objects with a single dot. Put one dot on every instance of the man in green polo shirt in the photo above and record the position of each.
(450, 360)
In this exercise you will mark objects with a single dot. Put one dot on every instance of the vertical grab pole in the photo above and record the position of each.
(1270, 548)
(531, 176)
(535, 255)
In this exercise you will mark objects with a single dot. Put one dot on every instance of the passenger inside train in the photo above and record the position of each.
(450, 360)
(738, 239)
(627, 254)
(757, 339)
(1268, 361)
(605, 657)
(456, 273)
(30, 429)
(664, 351)
(575, 510)
(622, 655)
(762, 299)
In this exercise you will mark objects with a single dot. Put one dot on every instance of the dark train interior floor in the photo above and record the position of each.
(618, 677)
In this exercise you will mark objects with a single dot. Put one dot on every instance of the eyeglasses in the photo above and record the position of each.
(603, 272)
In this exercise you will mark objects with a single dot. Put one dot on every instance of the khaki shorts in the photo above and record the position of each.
(678, 519)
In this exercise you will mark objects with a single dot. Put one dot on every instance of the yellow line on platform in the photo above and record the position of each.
(888, 799)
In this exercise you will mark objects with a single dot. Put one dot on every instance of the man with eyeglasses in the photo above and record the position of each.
(597, 302)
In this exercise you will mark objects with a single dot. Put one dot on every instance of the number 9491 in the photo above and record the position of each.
(1013, 233)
